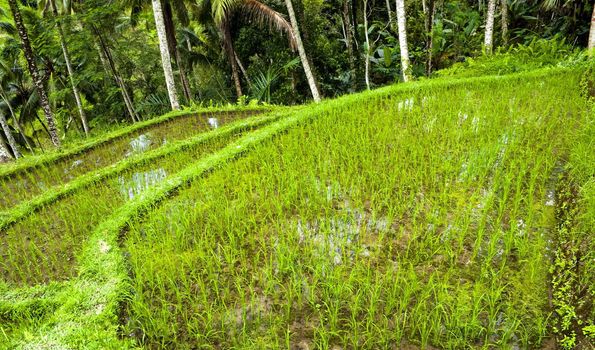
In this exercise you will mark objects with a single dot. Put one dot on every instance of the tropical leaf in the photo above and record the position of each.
(264, 15)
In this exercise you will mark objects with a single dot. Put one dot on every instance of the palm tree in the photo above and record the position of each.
(165, 56)
(346, 15)
(8, 77)
(11, 141)
(591, 43)
(504, 13)
(168, 7)
(222, 12)
(429, 7)
(402, 24)
(66, 54)
(4, 153)
(302, 52)
(489, 33)
(30, 57)
(367, 46)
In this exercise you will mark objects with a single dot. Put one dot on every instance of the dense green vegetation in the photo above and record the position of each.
(451, 213)
(101, 65)
(165, 182)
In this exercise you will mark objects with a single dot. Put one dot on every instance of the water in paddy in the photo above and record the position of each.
(44, 247)
(24, 186)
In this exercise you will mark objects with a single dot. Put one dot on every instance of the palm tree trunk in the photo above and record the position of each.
(430, 10)
(390, 15)
(4, 153)
(367, 48)
(349, 43)
(504, 5)
(489, 34)
(302, 52)
(230, 52)
(66, 55)
(170, 30)
(243, 70)
(43, 98)
(402, 24)
(591, 44)
(165, 57)
(16, 120)
(11, 141)
(108, 63)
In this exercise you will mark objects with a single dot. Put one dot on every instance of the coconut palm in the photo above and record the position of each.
(65, 52)
(302, 52)
(168, 7)
(222, 12)
(32, 65)
(11, 141)
(489, 33)
(165, 55)
(401, 23)
(18, 94)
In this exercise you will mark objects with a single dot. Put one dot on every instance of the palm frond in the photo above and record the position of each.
(221, 9)
(7, 28)
(553, 4)
(264, 15)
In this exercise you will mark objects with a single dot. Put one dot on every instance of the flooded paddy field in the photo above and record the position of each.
(397, 223)
(25, 185)
(43, 246)
(436, 215)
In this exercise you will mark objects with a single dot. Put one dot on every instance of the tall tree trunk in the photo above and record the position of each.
(4, 152)
(36, 137)
(108, 63)
(43, 97)
(349, 43)
(243, 70)
(504, 5)
(66, 55)
(165, 58)
(367, 48)
(302, 52)
(231, 54)
(430, 10)
(16, 120)
(591, 44)
(11, 141)
(170, 30)
(390, 15)
(402, 24)
(489, 34)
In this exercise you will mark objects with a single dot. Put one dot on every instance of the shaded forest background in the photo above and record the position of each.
(116, 64)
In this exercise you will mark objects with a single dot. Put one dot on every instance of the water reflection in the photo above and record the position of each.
(139, 144)
(341, 236)
(136, 184)
(214, 123)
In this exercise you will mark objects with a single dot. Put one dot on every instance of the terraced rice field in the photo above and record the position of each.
(448, 214)
(24, 185)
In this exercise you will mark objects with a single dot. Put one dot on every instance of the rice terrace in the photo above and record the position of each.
(242, 174)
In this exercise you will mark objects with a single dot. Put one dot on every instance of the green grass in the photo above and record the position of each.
(376, 226)
(31, 177)
(88, 304)
(424, 215)
(43, 247)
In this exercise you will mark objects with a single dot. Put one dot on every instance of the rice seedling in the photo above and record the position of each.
(44, 246)
(88, 304)
(422, 216)
(30, 181)
(419, 218)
